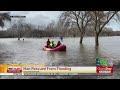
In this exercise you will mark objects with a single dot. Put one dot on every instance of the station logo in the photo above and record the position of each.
(14, 70)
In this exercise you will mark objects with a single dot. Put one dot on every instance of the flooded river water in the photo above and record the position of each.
(30, 51)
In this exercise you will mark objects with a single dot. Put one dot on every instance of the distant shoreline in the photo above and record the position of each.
(58, 37)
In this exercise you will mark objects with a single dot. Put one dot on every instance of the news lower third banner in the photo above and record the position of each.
(30, 69)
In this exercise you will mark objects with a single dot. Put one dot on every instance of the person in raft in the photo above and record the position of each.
(48, 43)
(58, 43)
(52, 45)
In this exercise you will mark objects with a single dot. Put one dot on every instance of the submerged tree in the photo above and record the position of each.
(20, 27)
(81, 19)
(99, 20)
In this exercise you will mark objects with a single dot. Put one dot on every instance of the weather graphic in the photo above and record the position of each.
(104, 65)
(104, 62)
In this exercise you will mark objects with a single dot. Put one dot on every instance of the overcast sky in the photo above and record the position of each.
(45, 17)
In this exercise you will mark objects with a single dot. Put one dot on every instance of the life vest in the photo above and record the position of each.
(51, 44)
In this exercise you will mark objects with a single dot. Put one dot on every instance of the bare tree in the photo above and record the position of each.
(51, 28)
(20, 27)
(79, 18)
(99, 20)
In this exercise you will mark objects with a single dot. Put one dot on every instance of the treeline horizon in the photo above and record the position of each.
(39, 33)
(21, 29)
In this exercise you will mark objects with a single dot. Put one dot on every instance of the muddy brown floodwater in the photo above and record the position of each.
(30, 51)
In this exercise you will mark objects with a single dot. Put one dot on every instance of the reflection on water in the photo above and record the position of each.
(97, 51)
(30, 51)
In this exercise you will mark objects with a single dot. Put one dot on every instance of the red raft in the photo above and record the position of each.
(59, 48)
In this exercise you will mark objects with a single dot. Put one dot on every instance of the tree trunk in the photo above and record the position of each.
(82, 36)
(81, 39)
(96, 39)
(18, 37)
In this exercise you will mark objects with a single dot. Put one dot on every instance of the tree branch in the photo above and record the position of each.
(107, 21)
